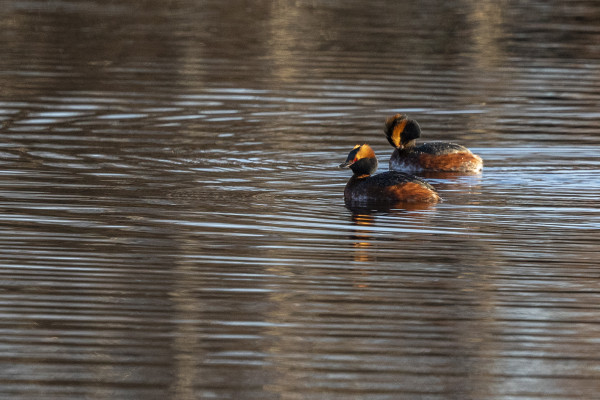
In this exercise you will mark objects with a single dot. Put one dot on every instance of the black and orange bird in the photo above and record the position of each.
(385, 188)
(402, 133)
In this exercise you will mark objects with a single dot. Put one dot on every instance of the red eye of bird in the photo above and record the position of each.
(355, 159)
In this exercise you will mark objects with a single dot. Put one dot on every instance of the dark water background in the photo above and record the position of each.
(171, 216)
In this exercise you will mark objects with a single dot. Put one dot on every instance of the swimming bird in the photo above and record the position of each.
(387, 187)
(402, 133)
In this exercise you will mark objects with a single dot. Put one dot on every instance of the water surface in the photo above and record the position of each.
(172, 222)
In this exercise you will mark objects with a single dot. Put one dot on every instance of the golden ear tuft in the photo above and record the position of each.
(394, 126)
(389, 121)
(366, 151)
(398, 131)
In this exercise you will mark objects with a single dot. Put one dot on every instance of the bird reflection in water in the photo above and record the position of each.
(362, 242)
(363, 237)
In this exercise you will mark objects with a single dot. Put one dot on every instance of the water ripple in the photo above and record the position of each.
(172, 218)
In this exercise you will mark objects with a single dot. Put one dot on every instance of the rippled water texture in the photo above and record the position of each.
(172, 223)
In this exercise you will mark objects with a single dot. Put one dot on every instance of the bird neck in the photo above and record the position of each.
(410, 144)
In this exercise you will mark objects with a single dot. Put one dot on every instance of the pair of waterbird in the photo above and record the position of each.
(397, 185)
